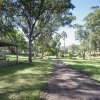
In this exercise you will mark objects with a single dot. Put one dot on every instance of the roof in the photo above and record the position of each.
(5, 43)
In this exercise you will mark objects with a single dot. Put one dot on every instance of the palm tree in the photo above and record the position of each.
(64, 36)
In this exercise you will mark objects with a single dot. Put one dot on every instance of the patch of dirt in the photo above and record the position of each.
(69, 84)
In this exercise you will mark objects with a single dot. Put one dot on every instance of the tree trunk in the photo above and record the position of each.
(30, 51)
(64, 47)
(94, 54)
(17, 55)
(84, 54)
(90, 49)
(42, 55)
(84, 50)
(57, 52)
(42, 52)
(90, 54)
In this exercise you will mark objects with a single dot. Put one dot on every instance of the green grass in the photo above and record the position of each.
(13, 58)
(24, 81)
(90, 67)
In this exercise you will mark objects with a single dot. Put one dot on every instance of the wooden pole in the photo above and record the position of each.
(17, 54)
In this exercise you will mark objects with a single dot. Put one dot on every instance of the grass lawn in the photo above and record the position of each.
(13, 58)
(24, 81)
(90, 67)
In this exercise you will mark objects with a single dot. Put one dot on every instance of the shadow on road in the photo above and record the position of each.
(69, 84)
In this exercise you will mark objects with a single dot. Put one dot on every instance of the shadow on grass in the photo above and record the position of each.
(90, 67)
(24, 81)
(92, 71)
(24, 92)
(21, 66)
(13, 58)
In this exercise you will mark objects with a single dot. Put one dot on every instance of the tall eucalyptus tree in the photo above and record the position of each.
(92, 23)
(27, 13)
(64, 36)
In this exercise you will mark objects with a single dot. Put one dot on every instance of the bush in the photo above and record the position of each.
(71, 55)
(62, 55)
(48, 53)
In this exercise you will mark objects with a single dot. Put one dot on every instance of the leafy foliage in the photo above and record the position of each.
(89, 33)
(93, 26)
(33, 16)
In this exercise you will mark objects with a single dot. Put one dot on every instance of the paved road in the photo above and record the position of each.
(69, 84)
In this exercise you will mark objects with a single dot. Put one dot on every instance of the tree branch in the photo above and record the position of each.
(39, 13)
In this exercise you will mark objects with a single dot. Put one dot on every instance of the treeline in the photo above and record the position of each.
(89, 33)
(38, 19)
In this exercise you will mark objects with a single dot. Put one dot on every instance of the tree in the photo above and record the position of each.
(16, 37)
(88, 34)
(64, 36)
(73, 49)
(5, 22)
(43, 41)
(27, 13)
(92, 24)
(82, 36)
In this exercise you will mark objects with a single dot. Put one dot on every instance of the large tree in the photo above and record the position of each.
(64, 36)
(82, 36)
(27, 13)
(92, 23)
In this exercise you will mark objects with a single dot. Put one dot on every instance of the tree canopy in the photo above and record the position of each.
(35, 17)
(89, 33)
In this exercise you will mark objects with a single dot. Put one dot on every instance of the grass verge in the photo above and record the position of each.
(24, 81)
(90, 67)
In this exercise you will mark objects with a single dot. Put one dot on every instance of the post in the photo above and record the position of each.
(17, 54)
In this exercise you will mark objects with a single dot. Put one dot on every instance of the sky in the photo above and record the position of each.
(82, 9)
